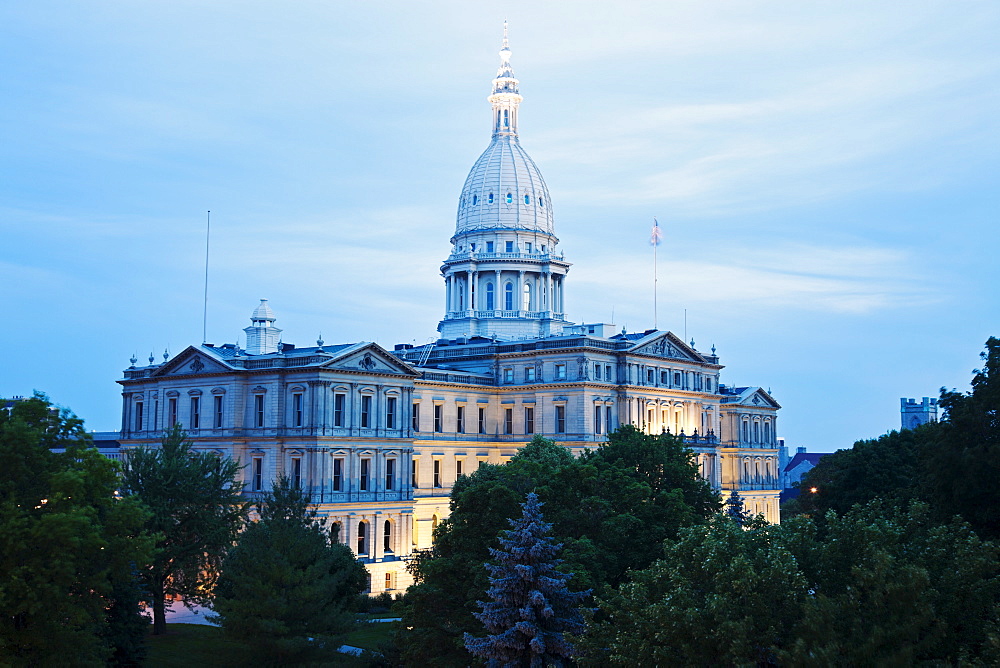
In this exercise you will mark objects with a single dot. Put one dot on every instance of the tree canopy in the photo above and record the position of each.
(610, 508)
(68, 543)
(197, 508)
(285, 589)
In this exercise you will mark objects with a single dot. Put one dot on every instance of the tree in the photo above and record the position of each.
(197, 509)
(723, 594)
(66, 543)
(643, 487)
(532, 609)
(285, 589)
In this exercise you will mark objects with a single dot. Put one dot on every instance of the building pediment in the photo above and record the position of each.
(370, 358)
(668, 346)
(752, 397)
(192, 362)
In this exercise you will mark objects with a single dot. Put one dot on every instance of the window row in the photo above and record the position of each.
(365, 477)
(532, 373)
(363, 535)
(756, 432)
(489, 247)
(490, 198)
(680, 380)
(480, 426)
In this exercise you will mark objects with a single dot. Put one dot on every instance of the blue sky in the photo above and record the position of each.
(826, 175)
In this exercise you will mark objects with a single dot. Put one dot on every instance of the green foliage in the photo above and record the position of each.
(197, 509)
(611, 509)
(66, 545)
(285, 592)
(723, 594)
(879, 585)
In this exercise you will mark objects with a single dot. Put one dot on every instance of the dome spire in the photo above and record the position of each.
(505, 98)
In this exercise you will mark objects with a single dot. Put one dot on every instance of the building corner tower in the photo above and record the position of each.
(504, 277)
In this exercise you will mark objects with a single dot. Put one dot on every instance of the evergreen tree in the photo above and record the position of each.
(532, 610)
(197, 508)
(285, 590)
(734, 509)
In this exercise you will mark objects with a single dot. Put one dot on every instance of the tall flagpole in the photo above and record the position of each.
(655, 237)
(204, 316)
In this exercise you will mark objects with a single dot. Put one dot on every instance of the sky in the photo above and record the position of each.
(826, 176)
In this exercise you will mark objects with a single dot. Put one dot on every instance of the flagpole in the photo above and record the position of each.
(654, 240)
(655, 281)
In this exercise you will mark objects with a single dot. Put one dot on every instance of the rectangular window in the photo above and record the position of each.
(529, 420)
(508, 375)
(529, 374)
(508, 420)
(366, 411)
(597, 419)
(258, 409)
(338, 409)
(664, 378)
(365, 464)
(509, 246)
(460, 420)
(438, 422)
(390, 473)
(482, 420)
(416, 417)
(258, 474)
(413, 473)
(338, 474)
(172, 411)
(458, 467)
(390, 413)
(649, 376)
(677, 380)
(560, 372)
(597, 372)
(607, 418)
(607, 373)
(527, 246)
(138, 416)
(437, 472)
(156, 415)
(218, 411)
(560, 419)
(297, 410)
(195, 412)
(489, 246)
(297, 472)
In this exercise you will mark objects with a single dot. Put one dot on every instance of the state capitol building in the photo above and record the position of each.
(379, 437)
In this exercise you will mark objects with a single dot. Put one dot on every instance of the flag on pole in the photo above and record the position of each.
(656, 237)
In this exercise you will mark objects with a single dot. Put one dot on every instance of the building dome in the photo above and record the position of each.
(505, 191)
(263, 313)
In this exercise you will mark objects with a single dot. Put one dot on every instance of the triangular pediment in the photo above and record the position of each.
(370, 358)
(192, 362)
(756, 397)
(666, 345)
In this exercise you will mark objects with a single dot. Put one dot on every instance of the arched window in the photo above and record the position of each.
(462, 202)
(510, 198)
(387, 536)
(490, 302)
(508, 296)
(362, 538)
(526, 298)
(489, 198)
(475, 200)
(541, 202)
(506, 118)
(527, 200)
(756, 432)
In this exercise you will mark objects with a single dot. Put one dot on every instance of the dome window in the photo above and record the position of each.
(541, 202)
(527, 200)
(510, 198)
(490, 199)
(462, 202)
(475, 200)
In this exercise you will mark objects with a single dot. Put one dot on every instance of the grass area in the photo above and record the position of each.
(185, 645)
(369, 635)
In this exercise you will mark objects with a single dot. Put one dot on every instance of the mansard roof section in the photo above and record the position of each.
(669, 346)
(753, 397)
(368, 357)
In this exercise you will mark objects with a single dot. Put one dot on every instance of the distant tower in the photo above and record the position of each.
(262, 335)
(504, 276)
(912, 414)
